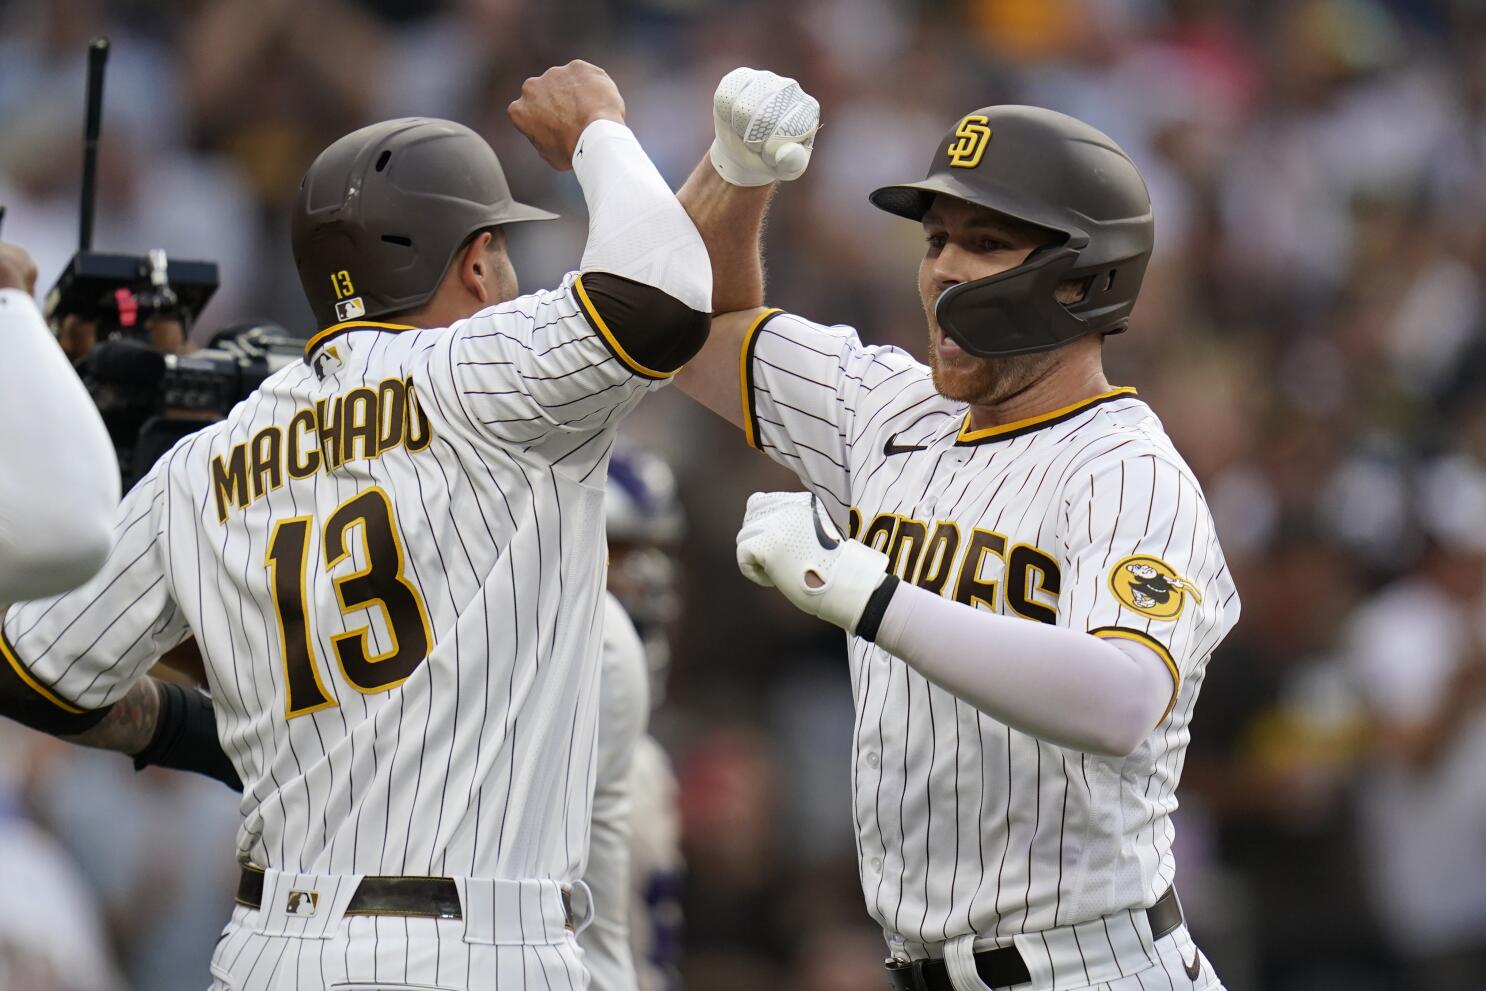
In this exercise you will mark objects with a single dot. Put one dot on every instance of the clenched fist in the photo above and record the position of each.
(789, 543)
(17, 270)
(765, 127)
(556, 106)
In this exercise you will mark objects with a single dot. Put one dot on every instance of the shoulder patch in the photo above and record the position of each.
(1151, 587)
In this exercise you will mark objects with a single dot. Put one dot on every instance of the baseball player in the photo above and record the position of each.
(624, 708)
(634, 860)
(59, 478)
(392, 558)
(1025, 567)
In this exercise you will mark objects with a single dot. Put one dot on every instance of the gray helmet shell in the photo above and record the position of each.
(381, 213)
(1055, 172)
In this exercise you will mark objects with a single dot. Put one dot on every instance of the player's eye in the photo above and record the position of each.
(989, 244)
(935, 241)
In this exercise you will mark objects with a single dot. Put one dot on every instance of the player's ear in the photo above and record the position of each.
(475, 271)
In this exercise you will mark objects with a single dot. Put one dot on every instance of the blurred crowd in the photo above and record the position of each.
(1312, 333)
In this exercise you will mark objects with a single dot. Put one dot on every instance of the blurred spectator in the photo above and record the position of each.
(51, 938)
(1418, 654)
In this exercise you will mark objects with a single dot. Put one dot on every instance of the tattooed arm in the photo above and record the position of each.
(129, 724)
(163, 724)
(158, 723)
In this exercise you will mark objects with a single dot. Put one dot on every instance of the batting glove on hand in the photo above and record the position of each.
(788, 542)
(766, 127)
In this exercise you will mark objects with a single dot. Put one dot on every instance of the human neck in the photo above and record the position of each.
(1063, 384)
(437, 313)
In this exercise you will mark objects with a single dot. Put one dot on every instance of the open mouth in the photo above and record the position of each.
(947, 347)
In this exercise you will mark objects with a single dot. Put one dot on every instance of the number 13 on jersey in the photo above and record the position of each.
(377, 583)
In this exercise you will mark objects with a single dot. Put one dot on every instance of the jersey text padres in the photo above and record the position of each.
(1085, 517)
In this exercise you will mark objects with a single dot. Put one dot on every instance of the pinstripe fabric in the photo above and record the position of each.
(389, 954)
(963, 824)
(490, 442)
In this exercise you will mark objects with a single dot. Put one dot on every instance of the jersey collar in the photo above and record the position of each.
(335, 330)
(1016, 428)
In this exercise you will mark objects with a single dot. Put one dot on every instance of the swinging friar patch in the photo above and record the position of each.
(1151, 587)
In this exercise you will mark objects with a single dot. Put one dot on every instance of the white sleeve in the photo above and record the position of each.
(552, 361)
(1059, 685)
(623, 712)
(59, 479)
(83, 649)
(1141, 559)
(637, 229)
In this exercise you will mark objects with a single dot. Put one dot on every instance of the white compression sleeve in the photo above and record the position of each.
(636, 227)
(59, 478)
(1061, 685)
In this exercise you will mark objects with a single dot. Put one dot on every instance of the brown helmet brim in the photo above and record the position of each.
(517, 212)
(913, 199)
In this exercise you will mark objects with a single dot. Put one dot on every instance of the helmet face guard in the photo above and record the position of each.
(1057, 173)
(1012, 312)
(1018, 311)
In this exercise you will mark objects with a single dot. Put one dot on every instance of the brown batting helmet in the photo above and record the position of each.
(1057, 173)
(382, 212)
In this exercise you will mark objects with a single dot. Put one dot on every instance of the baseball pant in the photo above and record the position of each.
(513, 935)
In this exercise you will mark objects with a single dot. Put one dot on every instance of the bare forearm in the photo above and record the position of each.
(129, 725)
(731, 221)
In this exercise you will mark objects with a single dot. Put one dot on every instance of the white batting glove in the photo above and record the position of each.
(766, 127)
(788, 542)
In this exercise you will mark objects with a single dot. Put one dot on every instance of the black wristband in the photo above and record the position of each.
(186, 737)
(876, 608)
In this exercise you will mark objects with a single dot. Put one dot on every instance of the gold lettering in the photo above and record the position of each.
(360, 421)
(419, 433)
(230, 481)
(304, 460)
(939, 557)
(392, 412)
(329, 421)
(268, 468)
(971, 588)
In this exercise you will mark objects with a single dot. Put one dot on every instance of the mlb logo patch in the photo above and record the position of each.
(350, 309)
(302, 903)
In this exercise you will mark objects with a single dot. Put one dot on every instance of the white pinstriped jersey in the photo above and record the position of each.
(392, 557)
(624, 711)
(657, 871)
(1086, 518)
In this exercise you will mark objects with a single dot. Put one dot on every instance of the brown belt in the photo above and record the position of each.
(427, 897)
(1005, 967)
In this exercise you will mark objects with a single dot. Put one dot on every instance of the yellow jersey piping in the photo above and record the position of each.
(1137, 636)
(31, 682)
(591, 311)
(322, 336)
(745, 375)
(1016, 428)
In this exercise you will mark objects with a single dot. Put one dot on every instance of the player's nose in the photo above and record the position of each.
(951, 267)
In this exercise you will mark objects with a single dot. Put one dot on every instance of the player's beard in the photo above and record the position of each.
(982, 381)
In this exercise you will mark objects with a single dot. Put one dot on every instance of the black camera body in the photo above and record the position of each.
(202, 387)
(149, 399)
(121, 292)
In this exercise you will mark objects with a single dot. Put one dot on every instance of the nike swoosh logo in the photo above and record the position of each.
(826, 540)
(893, 447)
(1194, 969)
